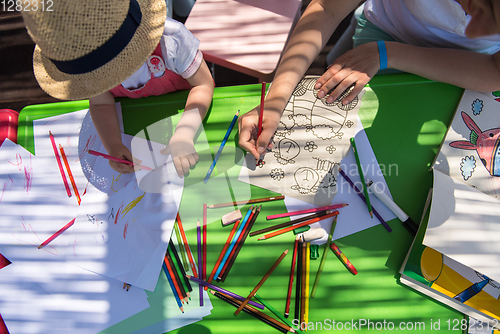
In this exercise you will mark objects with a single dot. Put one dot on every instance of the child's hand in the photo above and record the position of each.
(355, 67)
(122, 152)
(248, 129)
(183, 153)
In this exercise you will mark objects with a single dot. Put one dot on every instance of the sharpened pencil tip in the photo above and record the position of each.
(371, 214)
(261, 238)
(286, 252)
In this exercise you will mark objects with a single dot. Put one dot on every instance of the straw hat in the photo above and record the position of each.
(85, 48)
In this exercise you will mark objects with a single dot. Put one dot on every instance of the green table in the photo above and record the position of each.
(405, 118)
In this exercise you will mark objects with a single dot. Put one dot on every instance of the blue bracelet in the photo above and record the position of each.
(382, 52)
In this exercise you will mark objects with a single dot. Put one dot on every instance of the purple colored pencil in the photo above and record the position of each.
(229, 293)
(360, 194)
(198, 234)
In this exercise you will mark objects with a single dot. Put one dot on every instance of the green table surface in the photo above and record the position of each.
(405, 118)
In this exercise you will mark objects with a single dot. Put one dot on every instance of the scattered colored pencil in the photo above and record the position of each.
(175, 277)
(216, 288)
(303, 282)
(172, 287)
(240, 242)
(182, 249)
(255, 313)
(291, 222)
(257, 287)
(343, 258)
(71, 178)
(308, 266)
(301, 212)
(204, 244)
(58, 159)
(291, 228)
(275, 312)
(126, 286)
(180, 269)
(224, 249)
(292, 273)
(221, 147)
(186, 245)
(362, 177)
(58, 233)
(232, 244)
(360, 194)
(109, 157)
(298, 281)
(323, 257)
(250, 201)
(198, 235)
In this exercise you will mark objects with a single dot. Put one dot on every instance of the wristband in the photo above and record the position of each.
(382, 52)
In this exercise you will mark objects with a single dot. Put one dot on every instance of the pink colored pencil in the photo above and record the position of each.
(295, 213)
(58, 159)
(204, 245)
(58, 233)
(99, 154)
(261, 112)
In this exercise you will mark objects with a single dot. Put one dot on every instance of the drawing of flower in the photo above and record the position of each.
(310, 146)
(477, 106)
(330, 149)
(277, 174)
(349, 123)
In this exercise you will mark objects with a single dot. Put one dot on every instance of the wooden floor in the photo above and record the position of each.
(18, 87)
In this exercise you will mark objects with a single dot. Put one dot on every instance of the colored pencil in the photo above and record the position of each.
(239, 243)
(343, 258)
(250, 201)
(58, 159)
(233, 242)
(257, 287)
(180, 269)
(198, 235)
(58, 233)
(292, 273)
(109, 157)
(204, 244)
(71, 178)
(362, 177)
(216, 288)
(172, 287)
(182, 249)
(360, 194)
(226, 245)
(303, 281)
(186, 245)
(175, 278)
(323, 257)
(298, 281)
(275, 312)
(221, 147)
(261, 110)
(291, 228)
(301, 212)
(291, 222)
(308, 266)
(126, 286)
(255, 313)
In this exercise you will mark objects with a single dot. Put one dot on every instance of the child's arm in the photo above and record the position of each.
(105, 119)
(181, 145)
(319, 21)
(466, 69)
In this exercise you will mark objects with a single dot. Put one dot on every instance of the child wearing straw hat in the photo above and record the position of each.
(104, 49)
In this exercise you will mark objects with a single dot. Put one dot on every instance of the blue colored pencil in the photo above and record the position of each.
(198, 234)
(172, 287)
(221, 147)
(233, 242)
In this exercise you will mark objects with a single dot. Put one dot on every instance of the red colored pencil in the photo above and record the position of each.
(293, 227)
(186, 245)
(300, 212)
(109, 157)
(58, 233)
(71, 178)
(292, 274)
(229, 238)
(58, 159)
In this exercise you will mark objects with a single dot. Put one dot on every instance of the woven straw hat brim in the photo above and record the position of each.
(82, 86)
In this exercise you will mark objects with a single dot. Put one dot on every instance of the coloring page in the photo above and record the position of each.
(308, 145)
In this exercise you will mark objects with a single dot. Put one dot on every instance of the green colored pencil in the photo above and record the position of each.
(323, 258)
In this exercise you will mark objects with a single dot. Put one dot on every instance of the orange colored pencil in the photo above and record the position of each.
(293, 227)
(229, 238)
(59, 164)
(186, 245)
(73, 183)
(175, 282)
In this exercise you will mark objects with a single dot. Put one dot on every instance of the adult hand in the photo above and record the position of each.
(183, 153)
(248, 129)
(354, 68)
(122, 152)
